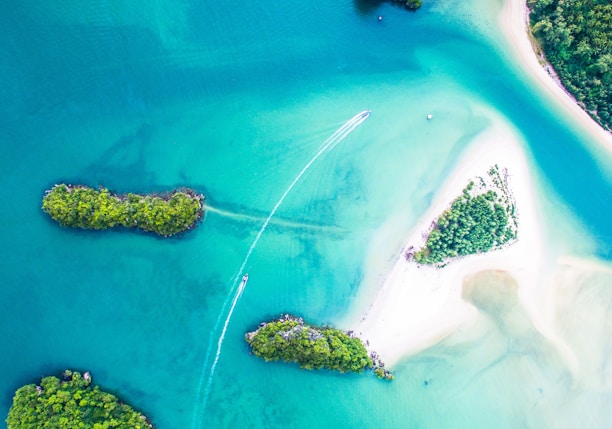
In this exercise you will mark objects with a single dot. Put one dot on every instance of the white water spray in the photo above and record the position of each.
(332, 141)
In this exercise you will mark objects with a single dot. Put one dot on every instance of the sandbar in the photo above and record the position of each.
(417, 306)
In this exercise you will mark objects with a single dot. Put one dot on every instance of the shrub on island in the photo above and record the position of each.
(88, 208)
(71, 402)
(475, 223)
(291, 340)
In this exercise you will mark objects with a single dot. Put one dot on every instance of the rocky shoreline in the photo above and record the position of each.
(290, 339)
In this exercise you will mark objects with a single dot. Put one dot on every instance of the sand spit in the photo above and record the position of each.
(417, 306)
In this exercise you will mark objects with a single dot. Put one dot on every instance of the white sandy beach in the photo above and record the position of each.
(418, 306)
(513, 23)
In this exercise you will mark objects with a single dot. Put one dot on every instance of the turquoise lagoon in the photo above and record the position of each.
(234, 100)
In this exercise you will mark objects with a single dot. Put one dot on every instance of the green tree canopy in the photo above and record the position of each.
(291, 340)
(70, 403)
(576, 37)
(88, 208)
(475, 223)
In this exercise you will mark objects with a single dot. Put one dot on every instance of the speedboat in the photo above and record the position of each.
(245, 277)
(365, 114)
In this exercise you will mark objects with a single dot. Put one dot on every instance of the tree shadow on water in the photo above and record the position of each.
(366, 7)
(123, 164)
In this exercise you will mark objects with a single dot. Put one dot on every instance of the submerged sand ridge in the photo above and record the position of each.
(560, 381)
(495, 294)
(583, 318)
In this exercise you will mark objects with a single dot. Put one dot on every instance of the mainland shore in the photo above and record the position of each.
(514, 23)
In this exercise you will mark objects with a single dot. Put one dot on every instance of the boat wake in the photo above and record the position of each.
(331, 142)
(281, 223)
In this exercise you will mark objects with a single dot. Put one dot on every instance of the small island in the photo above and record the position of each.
(483, 218)
(291, 340)
(83, 207)
(70, 402)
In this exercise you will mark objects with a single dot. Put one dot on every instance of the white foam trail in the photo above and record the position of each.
(331, 142)
(240, 217)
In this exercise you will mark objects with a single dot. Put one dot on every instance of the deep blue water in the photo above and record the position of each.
(234, 100)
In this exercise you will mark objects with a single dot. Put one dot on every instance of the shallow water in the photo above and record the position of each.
(234, 102)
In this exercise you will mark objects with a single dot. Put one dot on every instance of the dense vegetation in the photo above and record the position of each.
(409, 4)
(413, 4)
(291, 340)
(576, 36)
(70, 403)
(474, 223)
(83, 207)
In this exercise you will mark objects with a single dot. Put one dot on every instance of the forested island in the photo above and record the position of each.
(163, 214)
(68, 403)
(481, 219)
(291, 340)
(576, 37)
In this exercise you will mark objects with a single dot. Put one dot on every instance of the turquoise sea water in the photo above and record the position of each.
(233, 100)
